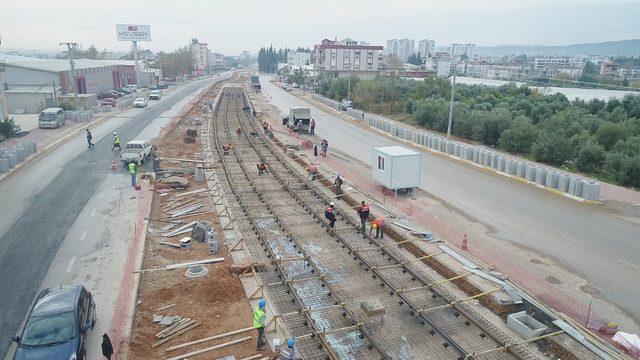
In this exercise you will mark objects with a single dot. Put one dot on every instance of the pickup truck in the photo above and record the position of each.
(299, 115)
(136, 151)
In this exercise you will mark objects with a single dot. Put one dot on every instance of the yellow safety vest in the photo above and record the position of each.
(258, 318)
(132, 168)
(116, 140)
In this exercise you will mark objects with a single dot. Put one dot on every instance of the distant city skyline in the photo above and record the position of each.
(231, 27)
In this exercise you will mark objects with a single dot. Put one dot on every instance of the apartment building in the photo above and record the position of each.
(347, 58)
(460, 51)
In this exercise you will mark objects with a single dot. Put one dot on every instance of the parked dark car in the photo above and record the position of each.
(57, 325)
(162, 85)
(124, 91)
(106, 95)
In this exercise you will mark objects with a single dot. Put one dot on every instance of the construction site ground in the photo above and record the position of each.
(218, 300)
(420, 207)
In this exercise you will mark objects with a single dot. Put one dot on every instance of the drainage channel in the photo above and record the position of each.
(426, 320)
(331, 323)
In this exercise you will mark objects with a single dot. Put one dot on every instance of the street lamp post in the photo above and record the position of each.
(70, 47)
(453, 91)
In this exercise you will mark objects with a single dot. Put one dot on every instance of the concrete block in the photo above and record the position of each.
(500, 161)
(591, 190)
(571, 188)
(541, 176)
(11, 160)
(530, 173)
(521, 169)
(578, 188)
(474, 155)
(488, 158)
(552, 179)
(524, 325)
(563, 182)
(494, 161)
(4, 165)
(408, 134)
(510, 166)
(19, 153)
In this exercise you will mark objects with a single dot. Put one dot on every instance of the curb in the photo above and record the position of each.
(448, 156)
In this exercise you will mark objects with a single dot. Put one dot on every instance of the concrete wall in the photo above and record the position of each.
(29, 102)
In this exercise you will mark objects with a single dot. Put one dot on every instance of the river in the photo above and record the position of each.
(570, 93)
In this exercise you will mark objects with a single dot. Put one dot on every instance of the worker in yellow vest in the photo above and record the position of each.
(132, 170)
(259, 321)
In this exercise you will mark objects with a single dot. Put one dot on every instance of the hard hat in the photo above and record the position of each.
(338, 174)
(262, 303)
(291, 342)
(332, 204)
(114, 133)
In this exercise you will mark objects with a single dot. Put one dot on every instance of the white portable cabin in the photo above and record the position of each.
(395, 167)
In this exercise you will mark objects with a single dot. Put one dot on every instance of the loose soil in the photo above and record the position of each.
(218, 299)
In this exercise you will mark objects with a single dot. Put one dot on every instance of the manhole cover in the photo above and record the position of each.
(196, 271)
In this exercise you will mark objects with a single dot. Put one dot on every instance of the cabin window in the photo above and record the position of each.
(380, 163)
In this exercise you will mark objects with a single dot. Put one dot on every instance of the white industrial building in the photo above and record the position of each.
(395, 167)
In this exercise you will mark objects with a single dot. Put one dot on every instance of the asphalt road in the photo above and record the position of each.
(41, 203)
(599, 247)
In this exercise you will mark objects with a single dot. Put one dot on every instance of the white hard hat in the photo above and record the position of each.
(332, 204)
(114, 133)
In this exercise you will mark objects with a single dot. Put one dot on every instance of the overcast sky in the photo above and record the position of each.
(231, 26)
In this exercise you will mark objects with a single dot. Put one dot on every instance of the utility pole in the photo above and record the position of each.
(453, 91)
(70, 47)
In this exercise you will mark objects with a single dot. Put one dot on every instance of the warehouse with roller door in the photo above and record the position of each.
(395, 167)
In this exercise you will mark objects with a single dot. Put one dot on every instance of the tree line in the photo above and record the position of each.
(268, 58)
(596, 137)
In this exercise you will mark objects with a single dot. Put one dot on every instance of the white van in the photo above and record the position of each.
(51, 118)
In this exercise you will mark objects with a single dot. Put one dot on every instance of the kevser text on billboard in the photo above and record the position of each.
(130, 32)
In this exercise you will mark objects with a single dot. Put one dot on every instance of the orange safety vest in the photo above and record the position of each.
(379, 222)
(330, 209)
(364, 208)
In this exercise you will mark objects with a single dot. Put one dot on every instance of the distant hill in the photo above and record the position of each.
(616, 48)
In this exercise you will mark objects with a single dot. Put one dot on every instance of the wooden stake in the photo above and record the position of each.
(200, 341)
(202, 351)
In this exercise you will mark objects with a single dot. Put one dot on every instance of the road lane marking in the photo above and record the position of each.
(523, 218)
(629, 264)
(571, 239)
(70, 266)
(93, 213)
(84, 234)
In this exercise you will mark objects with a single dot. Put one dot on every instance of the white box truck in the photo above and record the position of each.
(299, 118)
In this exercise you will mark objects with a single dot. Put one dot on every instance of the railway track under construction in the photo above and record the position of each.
(318, 279)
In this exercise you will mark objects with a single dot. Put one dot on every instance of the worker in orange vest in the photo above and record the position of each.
(378, 224)
(313, 171)
(363, 211)
(329, 214)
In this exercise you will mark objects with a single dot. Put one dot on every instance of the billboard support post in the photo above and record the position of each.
(135, 59)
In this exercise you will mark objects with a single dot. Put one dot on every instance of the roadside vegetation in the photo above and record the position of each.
(598, 138)
(7, 128)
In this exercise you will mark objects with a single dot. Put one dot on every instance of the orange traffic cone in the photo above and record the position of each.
(113, 164)
(464, 243)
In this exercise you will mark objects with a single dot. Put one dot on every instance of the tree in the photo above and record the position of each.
(299, 76)
(624, 169)
(415, 59)
(394, 62)
(590, 158)
(519, 138)
(7, 127)
(552, 148)
(492, 124)
(609, 134)
(432, 113)
(176, 63)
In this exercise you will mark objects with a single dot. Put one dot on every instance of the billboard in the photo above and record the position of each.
(129, 32)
